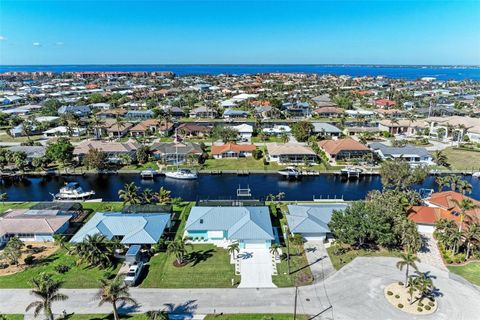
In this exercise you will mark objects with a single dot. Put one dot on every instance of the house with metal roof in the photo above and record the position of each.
(250, 226)
(311, 221)
(411, 154)
(327, 129)
(129, 229)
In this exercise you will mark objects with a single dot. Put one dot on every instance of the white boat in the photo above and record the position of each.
(72, 191)
(182, 174)
(351, 172)
(289, 172)
(476, 174)
(148, 174)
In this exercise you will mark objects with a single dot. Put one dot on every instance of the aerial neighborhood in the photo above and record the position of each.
(114, 180)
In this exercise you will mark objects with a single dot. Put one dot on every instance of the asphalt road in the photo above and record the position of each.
(354, 292)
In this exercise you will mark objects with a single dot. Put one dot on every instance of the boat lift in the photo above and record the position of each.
(244, 192)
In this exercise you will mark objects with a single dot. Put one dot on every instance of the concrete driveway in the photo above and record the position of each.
(256, 268)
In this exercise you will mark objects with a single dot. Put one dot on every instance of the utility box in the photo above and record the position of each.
(133, 254)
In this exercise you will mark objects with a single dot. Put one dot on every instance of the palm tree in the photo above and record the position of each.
(465, 205)
(95, 250)
(284, 138)
(96, 124)
(148, 196)
(179, 248)
(441, 182)
(407, 259)
(423, 283)
(440, 158)
(157, 315)
(60, 240)
(453, 181)
(114, 291)
(3, 197)
(471, 236)
(233, 248)
(129, 194)
(46, 289)
(454, 238)
(464, 187)
(275, 250)
(164, 196)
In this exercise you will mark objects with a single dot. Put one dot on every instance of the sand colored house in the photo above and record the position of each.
(344, 149)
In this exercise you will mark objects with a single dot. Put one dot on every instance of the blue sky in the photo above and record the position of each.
(250, 32)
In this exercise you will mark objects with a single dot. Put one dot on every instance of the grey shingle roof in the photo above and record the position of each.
(311, 218)
(388, 151)
(241, 223)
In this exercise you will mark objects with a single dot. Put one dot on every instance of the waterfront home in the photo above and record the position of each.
(129, 229)
(329, 112)
(425, 217)
(64, 131)
(359, 113)
(449, 200)
(139, 114)
(194, 130)
(263, 111)
(113, 150)
(18, 131)
(403, 126)
(277, 130)
(251, 227)
(232, 114)
(360, 130)
(454, 128)
(411, 154)
(151, 126)
(176, 112)
(344, 149)
(31, 152)
(33, 225)
(290, 153)
(245, 131)
(118, 130)
(324, 101)
(171, 152)
(392, 113)
(111, 114)
(203, 112)
(384, 103)
(326, 129)
(297, 109)
(232, 150)
(80, 111)
(311, 221)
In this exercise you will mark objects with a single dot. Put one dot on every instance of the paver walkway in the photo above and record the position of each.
(255, 268)
(429, 252)
(318, 258)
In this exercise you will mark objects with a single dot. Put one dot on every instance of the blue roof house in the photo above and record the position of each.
(130, 229)
(250, 226)
(311, 221)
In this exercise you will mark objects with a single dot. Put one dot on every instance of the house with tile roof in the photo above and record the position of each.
(290, 153)
(113, 150)
(425, 217)
(311, 221)
(33, 225)
(344, 149)
(129, 229)
(171, 152)
(250, 226)
(149, 127)
(232, 150)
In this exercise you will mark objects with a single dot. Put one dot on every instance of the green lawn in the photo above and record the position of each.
(148, 165)
(247, 316)
(339, 260)
(13, 316)
(269, 139)
(463, 159)
(14, 205)
(300, 273)
(133, 316)
(211, 268)
(470, 271)
(4, 137)
(79, 276)
(248, 163)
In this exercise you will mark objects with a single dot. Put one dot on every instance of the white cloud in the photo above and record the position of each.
(2, 38)
(37, 44)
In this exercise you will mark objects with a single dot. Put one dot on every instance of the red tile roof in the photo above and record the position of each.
(233, 147)
(334, 147)
(428, 215)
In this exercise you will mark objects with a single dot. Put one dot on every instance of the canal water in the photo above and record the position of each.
(210, 186)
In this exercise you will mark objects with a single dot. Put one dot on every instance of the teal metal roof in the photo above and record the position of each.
(137, 228)
(241, 223)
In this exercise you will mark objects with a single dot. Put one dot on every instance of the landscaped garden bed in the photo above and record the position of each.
(407, 300)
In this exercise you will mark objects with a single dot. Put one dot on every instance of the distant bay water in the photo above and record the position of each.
(403, 72)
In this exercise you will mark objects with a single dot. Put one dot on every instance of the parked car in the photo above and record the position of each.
(133, 274)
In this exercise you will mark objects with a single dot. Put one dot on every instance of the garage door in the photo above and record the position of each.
(314, 236)
(422, 228)
(253, 244)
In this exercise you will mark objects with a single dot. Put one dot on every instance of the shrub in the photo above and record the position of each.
(62, 268)
(419, 309)
(29, 246)
(29, 260)
(400, 283)
(400, 305)
(431, 303)
(390, 293)
(420, 304)
(4, 265)
(428, 308)
(397, 296)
